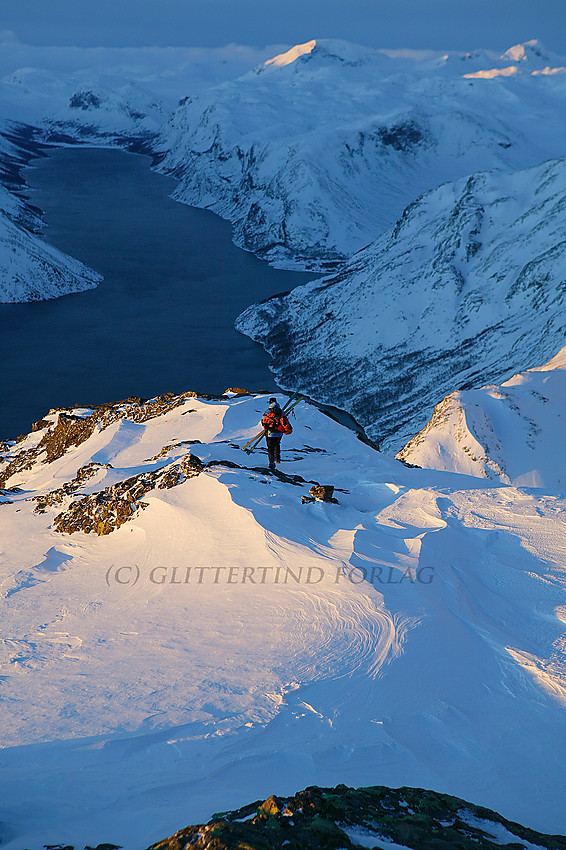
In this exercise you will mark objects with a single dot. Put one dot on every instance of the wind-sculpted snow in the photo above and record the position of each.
(512, 432)
(316, 152)
(468, 286)
(226, 638)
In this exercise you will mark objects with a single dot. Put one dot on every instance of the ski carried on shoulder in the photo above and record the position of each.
(291, 402)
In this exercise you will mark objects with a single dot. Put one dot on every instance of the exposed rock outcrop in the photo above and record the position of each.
(342, 817)
(71, 428)
(111, 507)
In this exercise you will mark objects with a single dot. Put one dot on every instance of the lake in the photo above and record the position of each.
(163, 318)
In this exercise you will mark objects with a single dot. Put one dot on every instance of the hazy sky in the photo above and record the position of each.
(458, 24)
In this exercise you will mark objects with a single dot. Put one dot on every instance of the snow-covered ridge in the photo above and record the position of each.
(81, 105)
(174, 654)
(469, 286)
(512, 432)
(316, 152)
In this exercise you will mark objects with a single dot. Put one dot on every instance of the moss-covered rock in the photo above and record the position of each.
(324, 818)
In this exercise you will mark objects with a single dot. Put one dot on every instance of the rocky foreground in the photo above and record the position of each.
(343, 817)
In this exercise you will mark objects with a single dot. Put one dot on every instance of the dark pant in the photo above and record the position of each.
(274, 450)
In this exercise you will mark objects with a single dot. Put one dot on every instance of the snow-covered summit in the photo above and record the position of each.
(468, 286)
(512, 432)
(322, 52)
(532, 52)
(289, 56)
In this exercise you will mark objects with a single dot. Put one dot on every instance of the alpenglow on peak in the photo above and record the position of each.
(291, 55)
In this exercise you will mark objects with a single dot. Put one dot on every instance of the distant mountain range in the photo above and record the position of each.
(315, 153)
(311, 154)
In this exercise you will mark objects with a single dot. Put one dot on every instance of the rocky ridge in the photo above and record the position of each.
(350, 818)
(108, 507)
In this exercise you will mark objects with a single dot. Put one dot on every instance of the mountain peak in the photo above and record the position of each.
(322, 52)
(532, 49)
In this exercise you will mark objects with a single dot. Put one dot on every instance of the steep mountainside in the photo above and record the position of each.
(469, 286)
(316, 152)
(512, 432)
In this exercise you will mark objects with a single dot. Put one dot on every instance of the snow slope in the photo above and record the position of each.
(468, 286)
(158, 695)
(314, 153)
(512, 432)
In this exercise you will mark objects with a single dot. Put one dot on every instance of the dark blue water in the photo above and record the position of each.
(162, 319)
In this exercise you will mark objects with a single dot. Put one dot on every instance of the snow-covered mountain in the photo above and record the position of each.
(512, 432)
(81, 106)
(218, 638)
(314, 153)
(38, 105)
(468, 287)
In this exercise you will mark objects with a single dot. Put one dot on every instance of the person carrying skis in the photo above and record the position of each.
(275, 424)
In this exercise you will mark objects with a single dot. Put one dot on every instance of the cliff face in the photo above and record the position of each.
(468, 286)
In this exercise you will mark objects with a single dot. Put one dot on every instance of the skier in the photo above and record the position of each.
(275, 424)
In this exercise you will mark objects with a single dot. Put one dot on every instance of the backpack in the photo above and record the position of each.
(284, 425)
(272, 422)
